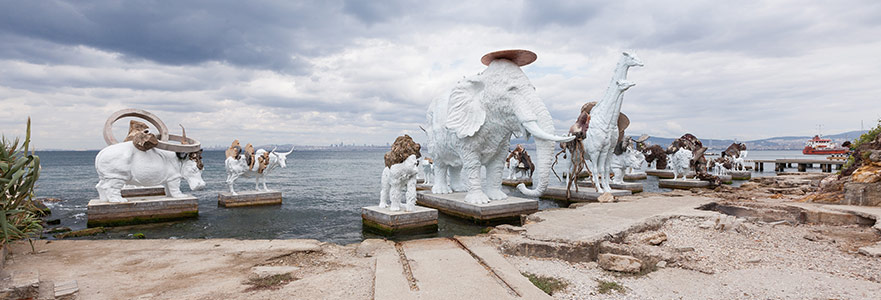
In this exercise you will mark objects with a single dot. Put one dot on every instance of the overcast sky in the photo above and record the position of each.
(316, 73)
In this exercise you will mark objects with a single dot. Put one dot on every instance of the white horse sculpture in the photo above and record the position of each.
(426, 168)
(602, 130)
(238, 166)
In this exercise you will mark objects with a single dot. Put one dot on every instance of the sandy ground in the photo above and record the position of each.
(198, 269)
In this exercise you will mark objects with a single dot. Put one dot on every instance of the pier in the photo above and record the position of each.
(802, 164)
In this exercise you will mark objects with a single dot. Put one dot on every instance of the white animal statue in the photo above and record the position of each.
(471, 127)
(719, 169)
(121, 164)
(602, 130)
(237, 166)
(680, 162)
(738, 163)
(426, 169)
(516, 169)
(625, 163)
(399, 185)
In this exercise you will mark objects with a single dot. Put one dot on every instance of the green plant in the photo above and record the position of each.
(19, 172)
(867, 137)
(605, 287)
(139, 236)
(549, 285)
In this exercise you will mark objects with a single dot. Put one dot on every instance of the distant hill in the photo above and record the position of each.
(774, 143)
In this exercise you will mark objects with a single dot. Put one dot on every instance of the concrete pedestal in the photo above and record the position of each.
(726, 179)
(386, 222)
(140, 210)
(514, 183)
(740, 175)
(584, 194)
(249, 198)
(498, 211)
(634, 187)
(635, 176)
(423, 187)
(682, 184)
(667, 174)
(142, 191)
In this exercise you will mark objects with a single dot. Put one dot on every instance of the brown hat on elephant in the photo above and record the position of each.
(403, 147)
(139, 134)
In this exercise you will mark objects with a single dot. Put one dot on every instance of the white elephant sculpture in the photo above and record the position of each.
(471, 128)
(625, 163)
(602, 131)
(399, 185)
(237, 166)
(680, 162)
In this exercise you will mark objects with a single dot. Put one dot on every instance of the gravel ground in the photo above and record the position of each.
(760, 261)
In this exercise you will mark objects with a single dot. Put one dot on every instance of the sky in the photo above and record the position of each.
(364, 72)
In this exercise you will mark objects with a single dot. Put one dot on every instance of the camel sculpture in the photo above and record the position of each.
(602, 131)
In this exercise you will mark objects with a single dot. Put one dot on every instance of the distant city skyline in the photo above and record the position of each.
(364, 72)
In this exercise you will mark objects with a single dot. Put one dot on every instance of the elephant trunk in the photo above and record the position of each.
(542, 129)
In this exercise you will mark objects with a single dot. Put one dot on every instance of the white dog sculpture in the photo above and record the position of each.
(680, 162)
(399, 185)
(426, 169)
(237, 166)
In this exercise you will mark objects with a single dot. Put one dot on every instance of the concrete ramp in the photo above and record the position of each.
(448, 268)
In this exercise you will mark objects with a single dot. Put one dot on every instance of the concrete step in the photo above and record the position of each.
(448, 268)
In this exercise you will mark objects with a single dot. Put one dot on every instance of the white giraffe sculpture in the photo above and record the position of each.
(602, 130)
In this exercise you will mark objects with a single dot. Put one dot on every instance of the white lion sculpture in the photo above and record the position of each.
(399, 175)
(625, 163)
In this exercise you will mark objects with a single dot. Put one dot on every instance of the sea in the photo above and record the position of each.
(323, 194)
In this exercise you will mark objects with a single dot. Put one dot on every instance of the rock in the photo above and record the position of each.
(264, 271)
(53, 222)
(56, 230)
(369, 246)
(79, 233)
(606, 198)
(507, 229)
(813, 237)
(661, 264)
(868, 173)
(754, 260)
(865, 194)
(685, 249)
(619, 263)
(875, 155)
(657, 238)
(726, 222)
(871, 251)
(706, 224)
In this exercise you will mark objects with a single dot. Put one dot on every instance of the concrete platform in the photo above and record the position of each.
(635, 176)
(634, 187)
(726, 179)
(666, 174)
(514, 183)
(584, 194)
(498, 211)
(142, 191)
(249, 198)
(140, 210)
(740, 175)
(386, 222)
(682, 184)
(423, 187)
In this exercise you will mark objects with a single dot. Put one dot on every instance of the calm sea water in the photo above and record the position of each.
(323, 195)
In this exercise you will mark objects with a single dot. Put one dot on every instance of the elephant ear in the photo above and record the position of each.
(466, 115)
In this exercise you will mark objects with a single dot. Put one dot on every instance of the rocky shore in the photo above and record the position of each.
(756, 241)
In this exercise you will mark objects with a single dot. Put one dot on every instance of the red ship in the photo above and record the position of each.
(820, 146)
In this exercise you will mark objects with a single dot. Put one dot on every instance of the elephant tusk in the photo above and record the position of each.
(538, 133)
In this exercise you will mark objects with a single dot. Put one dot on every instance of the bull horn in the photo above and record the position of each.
(273, 149)
(289, 152)
(183, 141)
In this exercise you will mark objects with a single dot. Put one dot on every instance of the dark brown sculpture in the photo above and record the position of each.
(734, 150)
(655, 153)
(523, 157)
(403, 147)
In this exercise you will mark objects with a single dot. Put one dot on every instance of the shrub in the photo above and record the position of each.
(19, 172)
(549, 285)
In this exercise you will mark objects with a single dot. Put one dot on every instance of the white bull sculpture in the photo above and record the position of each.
(144, 159)
(238, 166)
